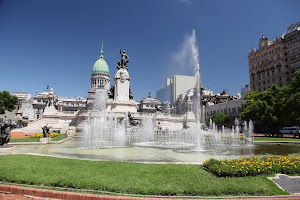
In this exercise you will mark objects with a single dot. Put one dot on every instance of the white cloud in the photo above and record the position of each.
(187, 2)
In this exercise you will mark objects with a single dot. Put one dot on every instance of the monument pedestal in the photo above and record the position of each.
(46, 140)
(7, 149)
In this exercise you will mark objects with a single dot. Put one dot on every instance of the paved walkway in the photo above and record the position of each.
(19, 192)
(288, 183)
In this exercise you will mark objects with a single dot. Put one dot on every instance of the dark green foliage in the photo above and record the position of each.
(131, 96)
(7, 101)
(125, 177)
(112, 92)
(276, 106)
(220, 119)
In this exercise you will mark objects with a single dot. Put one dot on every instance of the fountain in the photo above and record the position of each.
(108, 125)
(112, 129)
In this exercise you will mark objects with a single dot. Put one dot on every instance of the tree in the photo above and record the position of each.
(220, 119)
(276, 106)
(7, 101)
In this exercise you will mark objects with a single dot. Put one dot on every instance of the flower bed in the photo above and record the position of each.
(253, 166)
(40, 135)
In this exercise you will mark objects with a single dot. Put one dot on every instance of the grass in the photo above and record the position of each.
(30, 139)
(59, 137)
(133, 178)
(275, 139)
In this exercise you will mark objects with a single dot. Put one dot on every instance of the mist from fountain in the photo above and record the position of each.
(100, 129)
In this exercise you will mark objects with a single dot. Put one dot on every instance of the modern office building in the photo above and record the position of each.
(174, 87)
(275, 61)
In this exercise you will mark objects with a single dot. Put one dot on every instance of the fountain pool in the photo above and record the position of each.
(132, 153)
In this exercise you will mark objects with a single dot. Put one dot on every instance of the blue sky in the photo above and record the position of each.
(56, 42)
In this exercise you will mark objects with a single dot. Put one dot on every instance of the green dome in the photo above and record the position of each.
(100, 65)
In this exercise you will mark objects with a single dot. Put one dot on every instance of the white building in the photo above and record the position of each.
(174, 87)
(149, 105)
(230, 108)
(22, 96)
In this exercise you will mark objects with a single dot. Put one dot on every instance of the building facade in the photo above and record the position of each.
(34, 108)
(174, 87)
(292, 50)
(22, 96)
(275, 61)
(149, 105)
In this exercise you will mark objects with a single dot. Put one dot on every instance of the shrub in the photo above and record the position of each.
(253, 166)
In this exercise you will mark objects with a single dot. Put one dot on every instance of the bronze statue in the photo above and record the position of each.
(132, 122)
(118, 65)
(46, 129)
(5, 132)
(124, 60)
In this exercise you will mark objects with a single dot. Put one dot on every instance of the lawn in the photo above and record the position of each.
(275, 139)
(30, 139)
(125, 177)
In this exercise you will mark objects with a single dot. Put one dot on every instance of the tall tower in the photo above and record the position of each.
(100, 77)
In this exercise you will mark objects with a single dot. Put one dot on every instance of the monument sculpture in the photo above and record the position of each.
(46, 129)
(5, 132)
(122, 97)
(124, 60)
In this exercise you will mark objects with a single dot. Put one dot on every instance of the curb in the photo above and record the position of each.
(34, 192)
(40, 143)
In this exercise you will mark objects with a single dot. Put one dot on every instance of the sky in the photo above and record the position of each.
(57, 42)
